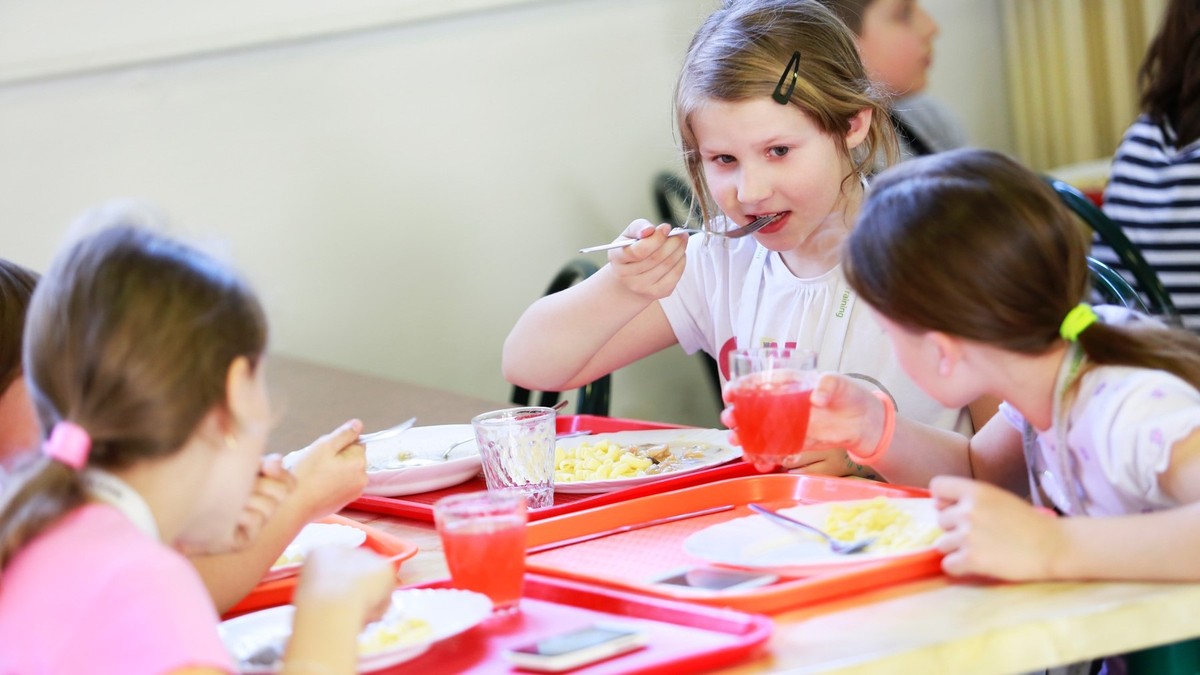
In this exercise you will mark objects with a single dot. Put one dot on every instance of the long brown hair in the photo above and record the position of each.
(1170, 74)
(16, 287)
(742, 50)
(971, 243)
(130, 335)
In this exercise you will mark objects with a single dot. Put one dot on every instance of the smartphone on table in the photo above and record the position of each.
(575, 648)
(715, 579)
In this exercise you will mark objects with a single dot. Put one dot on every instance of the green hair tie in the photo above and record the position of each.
(1078, 319)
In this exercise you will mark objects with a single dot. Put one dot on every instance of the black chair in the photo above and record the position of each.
(677, 205)
(674, 200)
(1157, 300)
(595, 396)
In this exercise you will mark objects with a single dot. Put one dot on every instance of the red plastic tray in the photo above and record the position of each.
(279, 591)
(629, 559)
(683, 638)
(420, 506)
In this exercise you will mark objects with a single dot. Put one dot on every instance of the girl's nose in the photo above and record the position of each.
(753, 187)
(928, 25)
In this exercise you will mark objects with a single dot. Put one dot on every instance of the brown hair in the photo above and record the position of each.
(973, 244)
(850, 12)
(742, 50)
(16, 287)
(130, 336)
(1170, 74)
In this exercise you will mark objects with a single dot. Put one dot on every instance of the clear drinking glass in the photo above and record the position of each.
(483, 536)
(517, 449)
(771, 392)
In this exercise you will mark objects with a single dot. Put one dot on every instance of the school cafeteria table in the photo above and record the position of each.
(935, 625)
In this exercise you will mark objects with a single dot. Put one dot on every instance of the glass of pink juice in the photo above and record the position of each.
(771, 393)
(483, 537)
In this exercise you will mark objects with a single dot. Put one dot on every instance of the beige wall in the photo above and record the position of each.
(400, 194)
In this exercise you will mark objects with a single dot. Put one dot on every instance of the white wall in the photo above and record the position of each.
(399, 195)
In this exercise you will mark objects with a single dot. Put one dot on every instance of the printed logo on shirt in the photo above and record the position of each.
(841, 310)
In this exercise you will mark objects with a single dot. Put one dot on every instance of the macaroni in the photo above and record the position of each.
(893, 527)
(383, 636)
(603, 461)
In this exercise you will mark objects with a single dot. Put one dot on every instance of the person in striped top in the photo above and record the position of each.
(1153, 192)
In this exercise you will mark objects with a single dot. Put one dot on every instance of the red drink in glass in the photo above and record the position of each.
(772, 396)
(483, 537)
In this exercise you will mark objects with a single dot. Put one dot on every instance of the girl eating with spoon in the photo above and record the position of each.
(145, 360)
(777, 118)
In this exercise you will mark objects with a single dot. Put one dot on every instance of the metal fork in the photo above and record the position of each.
(736, 233)
(839, 547)
(387, 433)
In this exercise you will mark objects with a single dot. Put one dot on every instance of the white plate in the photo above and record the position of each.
(759, 543)
(311, 536)
(448, 611)
(720, 452)
(422, 443)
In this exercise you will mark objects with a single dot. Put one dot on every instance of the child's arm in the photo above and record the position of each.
(990, 532)
(329, 473)
(609, 320)
(340, 591)
(846, 415)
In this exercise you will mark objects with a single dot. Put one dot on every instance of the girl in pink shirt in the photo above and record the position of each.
(144, 359)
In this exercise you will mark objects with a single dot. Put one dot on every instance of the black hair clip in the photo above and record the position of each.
(787, 81)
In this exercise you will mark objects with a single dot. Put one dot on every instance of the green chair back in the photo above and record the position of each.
(1158, 301)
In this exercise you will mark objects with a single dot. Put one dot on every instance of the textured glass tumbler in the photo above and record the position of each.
(771, 391)
(483, 535)
(517, 449)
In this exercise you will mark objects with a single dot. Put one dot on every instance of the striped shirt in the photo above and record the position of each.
(1153, 193)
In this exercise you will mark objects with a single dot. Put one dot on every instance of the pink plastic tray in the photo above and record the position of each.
(420, 506)
(683, 638)
(632, 555)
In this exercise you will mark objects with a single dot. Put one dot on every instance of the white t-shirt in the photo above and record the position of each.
(723, 293)
(1119, 432)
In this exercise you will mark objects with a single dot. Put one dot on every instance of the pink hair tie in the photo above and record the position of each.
(69, 443)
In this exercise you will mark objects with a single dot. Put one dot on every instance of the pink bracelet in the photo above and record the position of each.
(885, 438)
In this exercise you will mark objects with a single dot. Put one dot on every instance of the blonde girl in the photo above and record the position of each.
(144, 360)
(777, 118)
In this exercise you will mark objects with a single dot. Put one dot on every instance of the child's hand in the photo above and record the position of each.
(340, 590)
(992, 532)
(652, 267)
(361, 579)
(840, 417)
(331, 472)
(272, 487)
(828, 461)
(844, 415)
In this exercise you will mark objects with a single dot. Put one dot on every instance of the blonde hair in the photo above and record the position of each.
(130, 335)
(741, 52)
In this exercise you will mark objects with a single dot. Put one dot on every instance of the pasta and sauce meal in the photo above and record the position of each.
(608, 460)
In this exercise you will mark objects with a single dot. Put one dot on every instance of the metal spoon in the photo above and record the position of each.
(736, 233)
(839, 547)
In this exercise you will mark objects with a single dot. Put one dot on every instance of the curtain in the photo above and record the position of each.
(1072, 70)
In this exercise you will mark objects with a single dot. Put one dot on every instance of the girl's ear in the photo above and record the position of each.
(860, 126)
(239, 392)
(949, 352)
